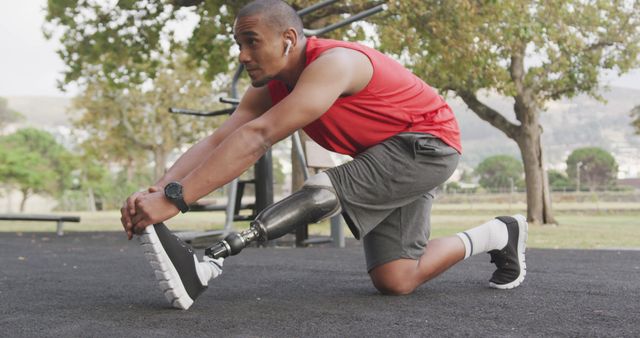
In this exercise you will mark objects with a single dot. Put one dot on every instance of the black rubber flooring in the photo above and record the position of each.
(99, 284)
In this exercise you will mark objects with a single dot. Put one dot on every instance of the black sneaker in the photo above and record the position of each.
(182, 278)
(510, 259)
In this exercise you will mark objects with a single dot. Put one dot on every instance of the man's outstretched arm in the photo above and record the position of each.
(318, 87)
(255, 102)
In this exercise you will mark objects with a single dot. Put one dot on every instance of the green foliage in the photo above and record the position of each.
(500, 172)
(452, 187)
(124, 42)
(32, 161)
(131, 126)
(559, 180)
(107, 187)
(532, 51)
(117, 40)
(472, 45)
(598, 169)
(8, 115)
(130, 67)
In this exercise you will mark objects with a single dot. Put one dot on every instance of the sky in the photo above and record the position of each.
(29, 65)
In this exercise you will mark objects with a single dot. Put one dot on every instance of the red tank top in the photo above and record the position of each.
(394, 101)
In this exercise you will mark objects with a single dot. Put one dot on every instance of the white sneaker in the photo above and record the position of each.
(181, 277)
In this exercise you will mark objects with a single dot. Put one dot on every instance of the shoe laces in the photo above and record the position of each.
(499, 258)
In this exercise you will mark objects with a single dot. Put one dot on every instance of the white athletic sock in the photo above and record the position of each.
(489, 236)
(209, 269)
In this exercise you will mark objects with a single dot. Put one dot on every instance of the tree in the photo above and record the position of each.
(595, 167)
(635, 114)
(112, 48)
(124, 42)
(34, 162)
(500, 172)
(130, 125)
(559, 180)
(532, 51)
(7, 115)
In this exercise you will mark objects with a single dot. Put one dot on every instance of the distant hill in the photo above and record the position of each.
(568, 124)
(42, 111)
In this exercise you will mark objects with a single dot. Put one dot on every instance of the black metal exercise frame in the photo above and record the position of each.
(263, 170)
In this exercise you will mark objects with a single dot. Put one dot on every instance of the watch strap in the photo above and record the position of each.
(181, 204)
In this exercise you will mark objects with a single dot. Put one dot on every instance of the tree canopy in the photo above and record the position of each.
(597, 168)
(32, 161)
(124, 42)
(558, 180)
(132, 125)
(500, 172)
(531, 51)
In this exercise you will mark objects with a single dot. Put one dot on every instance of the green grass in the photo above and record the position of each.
(580, 227)
(575, 231)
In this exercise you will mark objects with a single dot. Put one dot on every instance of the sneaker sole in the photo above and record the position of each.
(523, 233)
(166, 274)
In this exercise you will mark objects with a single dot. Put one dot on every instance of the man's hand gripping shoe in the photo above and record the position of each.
(181, 277)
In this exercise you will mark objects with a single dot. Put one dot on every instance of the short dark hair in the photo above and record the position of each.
(278, 13)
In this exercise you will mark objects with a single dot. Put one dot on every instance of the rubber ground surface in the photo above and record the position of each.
(99, 284)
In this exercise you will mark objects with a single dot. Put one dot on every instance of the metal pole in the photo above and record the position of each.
(578, 165)
(297, 145)
(317, 6)
(510, 192)
(232, 192)
(337, 231)
(59, 230)
(369, 12)
(264, 182)
(232, 187)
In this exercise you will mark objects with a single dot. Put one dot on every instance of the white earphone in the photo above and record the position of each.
(286, 51)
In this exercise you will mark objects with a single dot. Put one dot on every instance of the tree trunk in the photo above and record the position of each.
(160, 159)
(91, 203)
(538, 199)
(9, 199)
(23, 202)
(527, 136)
(130, 169)
(546, 191)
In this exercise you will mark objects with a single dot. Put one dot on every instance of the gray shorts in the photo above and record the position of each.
(386, 194)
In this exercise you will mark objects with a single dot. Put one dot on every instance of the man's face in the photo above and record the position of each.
(261, 49)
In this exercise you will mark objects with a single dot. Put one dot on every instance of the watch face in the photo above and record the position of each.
(173, 190)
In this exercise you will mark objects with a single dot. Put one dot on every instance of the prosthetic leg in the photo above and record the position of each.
(315, 201)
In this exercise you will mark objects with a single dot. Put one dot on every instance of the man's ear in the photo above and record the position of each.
(289, 44)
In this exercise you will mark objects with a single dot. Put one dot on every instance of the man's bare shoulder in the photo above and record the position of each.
(348, 61)
(345, 55)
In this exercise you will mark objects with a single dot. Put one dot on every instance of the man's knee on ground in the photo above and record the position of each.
(394, 278)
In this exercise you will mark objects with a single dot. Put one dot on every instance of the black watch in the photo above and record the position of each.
(173, 192)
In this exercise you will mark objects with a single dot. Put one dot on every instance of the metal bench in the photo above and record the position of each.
(41, 218)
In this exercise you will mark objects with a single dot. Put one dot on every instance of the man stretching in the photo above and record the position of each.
(350, 99)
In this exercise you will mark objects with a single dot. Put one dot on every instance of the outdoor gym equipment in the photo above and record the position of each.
(263, 179)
